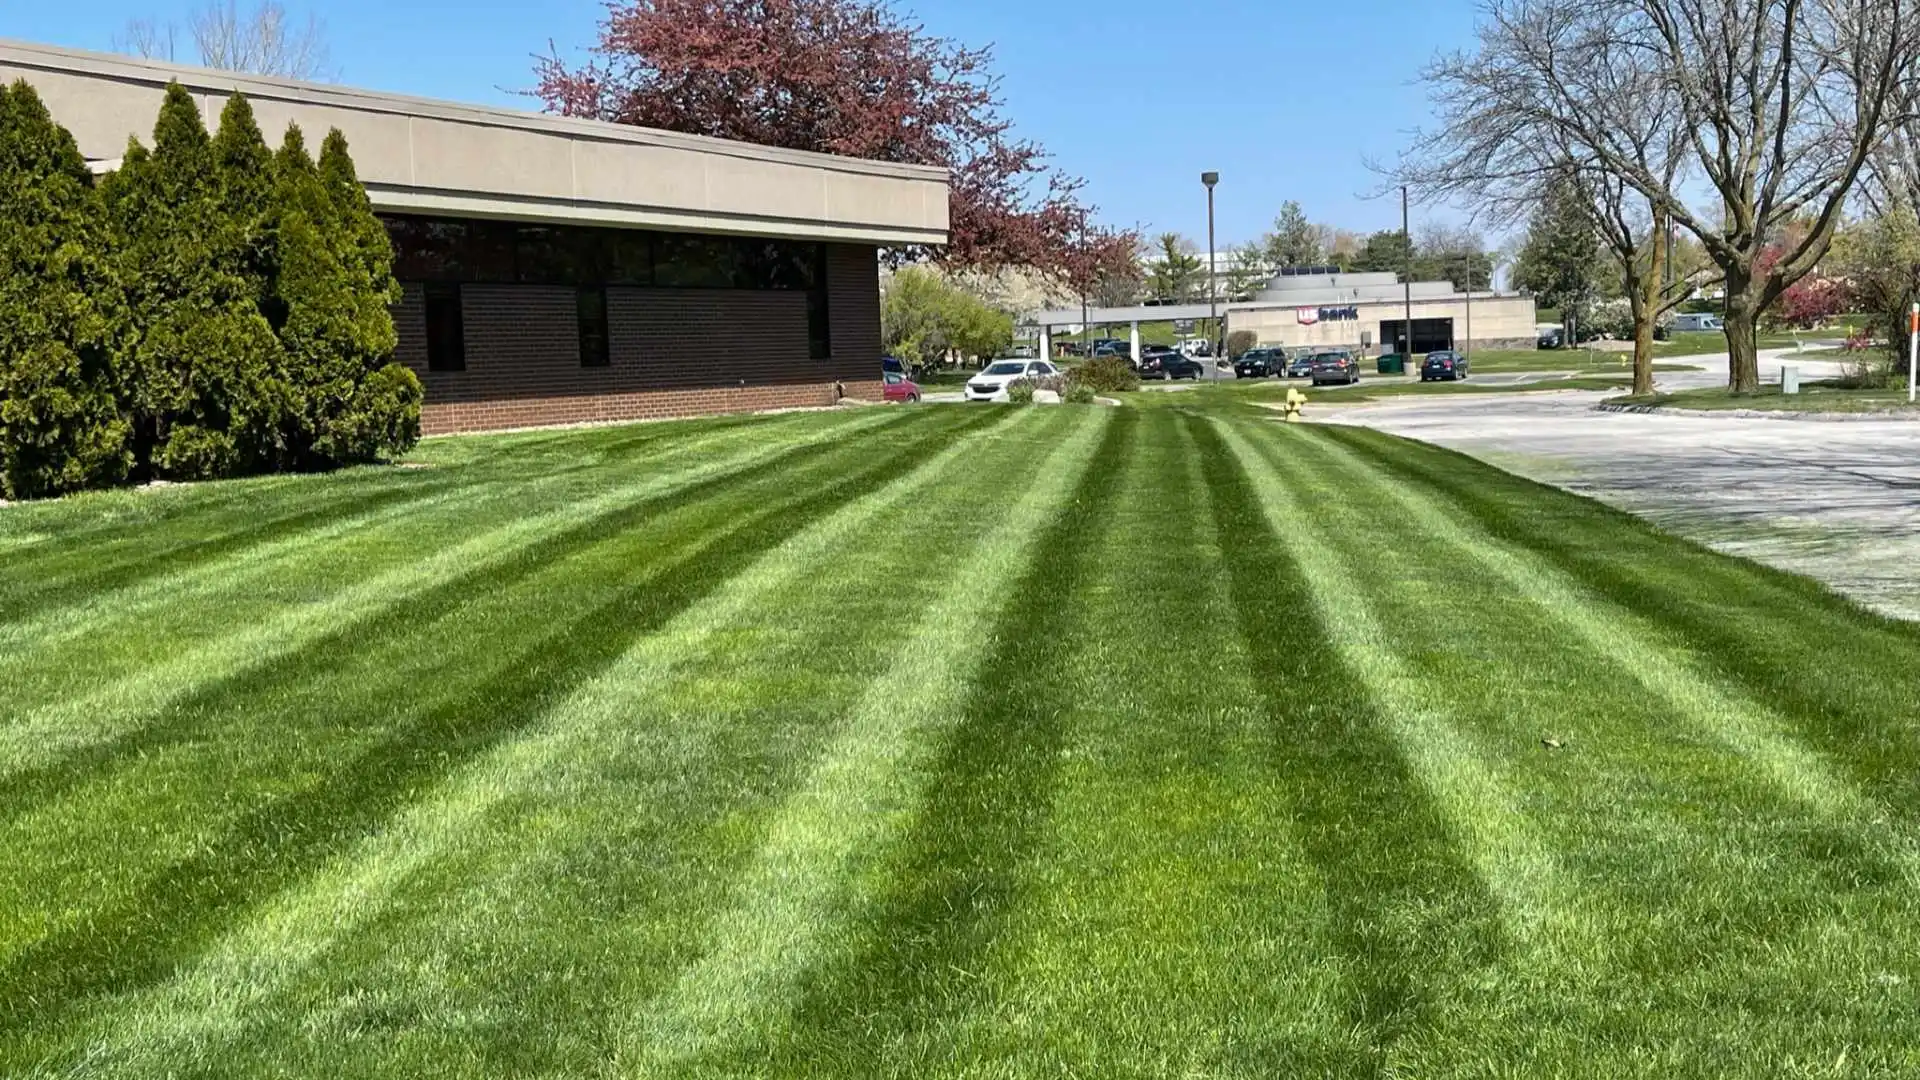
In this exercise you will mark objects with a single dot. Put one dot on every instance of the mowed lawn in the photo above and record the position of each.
(1162, 740)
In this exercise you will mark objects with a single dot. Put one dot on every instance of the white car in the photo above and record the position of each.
(991, 383)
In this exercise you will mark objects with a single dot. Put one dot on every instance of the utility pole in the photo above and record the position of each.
(1913, 352)
(1470, 262)
(1086, 339)
(1213, 293)
(1406, 278)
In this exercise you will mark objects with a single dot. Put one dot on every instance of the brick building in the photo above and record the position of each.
(560, 270)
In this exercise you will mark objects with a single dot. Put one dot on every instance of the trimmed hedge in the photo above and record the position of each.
(210, 309)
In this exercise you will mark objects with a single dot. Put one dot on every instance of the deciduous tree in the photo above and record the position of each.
(1775, 105)
(264, 40)
(845, 77)
(925, 319)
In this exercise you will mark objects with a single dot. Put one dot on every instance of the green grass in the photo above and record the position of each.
(1160, 740)
(1814, 397)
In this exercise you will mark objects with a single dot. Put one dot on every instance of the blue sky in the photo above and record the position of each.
(1286, 98)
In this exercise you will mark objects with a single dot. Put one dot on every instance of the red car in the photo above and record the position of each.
(901, 388)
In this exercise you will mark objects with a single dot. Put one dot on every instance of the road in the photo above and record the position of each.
(1839, 501)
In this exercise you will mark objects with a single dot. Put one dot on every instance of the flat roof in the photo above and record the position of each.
(438, 157)
(1162, 312)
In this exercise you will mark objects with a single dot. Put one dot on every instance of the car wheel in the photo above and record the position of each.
(913, 399)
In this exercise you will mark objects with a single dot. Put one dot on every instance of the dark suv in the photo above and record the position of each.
(1160, 362)
(1259, 364)
(1335, 367)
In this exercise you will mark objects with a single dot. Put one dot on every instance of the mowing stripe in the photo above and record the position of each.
(1727, 611)
(854, 803)
(170, 581)
(116, 949)
(1514, 862)
(45, 735)
(918, 956)
(193, 1015)
(1411, 918)
(1745, 726)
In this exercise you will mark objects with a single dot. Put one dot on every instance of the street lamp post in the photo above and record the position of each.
(1213, 294)
(1470, 261)
(1406, 278)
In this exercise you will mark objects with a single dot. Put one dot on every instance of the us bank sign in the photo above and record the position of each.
(1308, 316)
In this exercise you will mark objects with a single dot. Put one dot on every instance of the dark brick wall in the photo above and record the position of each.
(674, 352)
(853, 308)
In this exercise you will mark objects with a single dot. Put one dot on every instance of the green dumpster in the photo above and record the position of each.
(1392, 364)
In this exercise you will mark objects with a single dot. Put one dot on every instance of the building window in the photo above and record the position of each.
(819, 315)
(590, 304)
(446, 329)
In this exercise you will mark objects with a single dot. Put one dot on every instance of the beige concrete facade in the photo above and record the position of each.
(1497, 321)
(430, 157)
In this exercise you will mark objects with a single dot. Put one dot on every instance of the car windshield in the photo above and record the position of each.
(1005, 369)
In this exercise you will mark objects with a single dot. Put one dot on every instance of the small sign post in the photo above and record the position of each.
(1913, 352)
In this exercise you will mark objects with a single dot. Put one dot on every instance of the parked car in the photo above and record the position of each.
(1334, 367)
(1260, 364)
(900, 388)
(1695, 322)
(1113, 348)
(1161, 362)
(1445, 364)
(1552, 339)
(1301, 366)
(1022, 352)
(995, 376)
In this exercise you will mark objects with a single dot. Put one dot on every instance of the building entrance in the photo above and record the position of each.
(1429, 335)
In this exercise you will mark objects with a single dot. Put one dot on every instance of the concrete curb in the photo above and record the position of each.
(1764, 414)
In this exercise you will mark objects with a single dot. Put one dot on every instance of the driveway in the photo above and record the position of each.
(1839, 501)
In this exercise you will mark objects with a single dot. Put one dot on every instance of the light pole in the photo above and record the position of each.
(1470, 260)
(1406, 278)
(1213, 295)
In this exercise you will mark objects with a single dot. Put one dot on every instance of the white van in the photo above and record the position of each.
(1698, 322)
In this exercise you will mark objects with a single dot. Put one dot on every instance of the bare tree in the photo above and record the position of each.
(1511, 116)
(1776, 104)
(148, 40)
(265, 40)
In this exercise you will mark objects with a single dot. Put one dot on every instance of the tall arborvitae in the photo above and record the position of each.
(385, 416)
(60, 428)
(331, 302)
(244, 168)
(200, 362)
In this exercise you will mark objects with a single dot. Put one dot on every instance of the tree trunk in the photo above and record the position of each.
(1743, 348)
(1643, 310)
(1646, 307)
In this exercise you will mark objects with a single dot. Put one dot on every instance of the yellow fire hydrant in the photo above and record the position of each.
(1292, 406)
